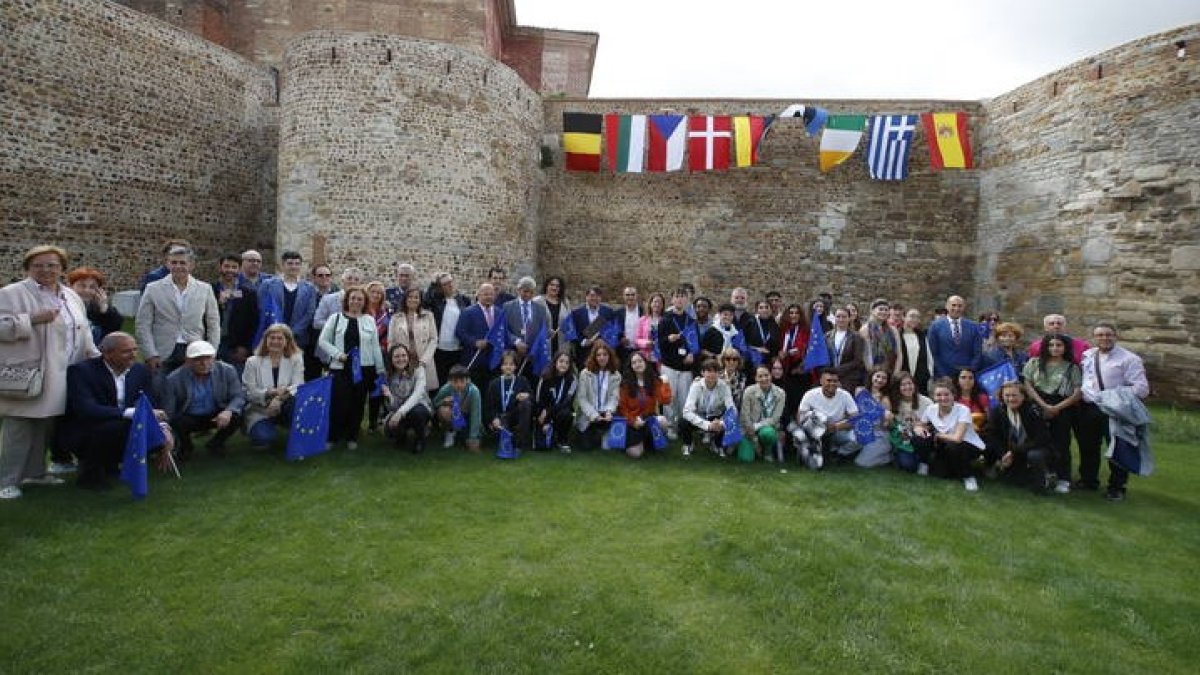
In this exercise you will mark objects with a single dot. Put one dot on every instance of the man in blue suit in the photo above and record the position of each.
(294, 297)
(587, 325)
(524, 317)
(472, 330)
(955, 342)
(101, 396)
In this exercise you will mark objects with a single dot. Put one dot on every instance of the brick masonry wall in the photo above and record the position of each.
(782, 225)
(121, 130)
(431, 157)
(1089, 203)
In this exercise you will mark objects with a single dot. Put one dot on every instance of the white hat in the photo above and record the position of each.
(200, 348)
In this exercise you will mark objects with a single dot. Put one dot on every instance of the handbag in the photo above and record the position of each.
(21, 381)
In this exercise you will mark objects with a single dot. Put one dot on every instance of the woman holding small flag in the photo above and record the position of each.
(762, 333)
(351, 342)
(507, 405)
(555, 401)
(647, 331)
(793, 336)
(599, 384)
(643, 393)
(271, 378)
(408, 405)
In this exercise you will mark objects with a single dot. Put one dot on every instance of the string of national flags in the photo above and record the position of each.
(657, 143)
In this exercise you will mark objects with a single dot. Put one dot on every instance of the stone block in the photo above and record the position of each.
(1185, 258)
(1095, 284)
(1152, 172)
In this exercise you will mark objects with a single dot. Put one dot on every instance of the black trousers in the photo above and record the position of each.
(100, 448)
(518, 420)
(1092, 430)
(946, 459)
(688, 431)
(417, 420)
(349, 399)
(1060, 427)
(185, 425)
(443, 360)
(562, 418)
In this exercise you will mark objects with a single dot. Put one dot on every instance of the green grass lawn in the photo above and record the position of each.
(381, 561)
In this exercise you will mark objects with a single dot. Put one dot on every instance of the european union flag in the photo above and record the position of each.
(356, 374)
(817, 353)
(539, 351)
(496, 337)
(658, 437)
(268, 313)
(691, 337)
(505, 449)
(144, 434)
(611, 333)
(657, 351)
(750, 356)
(380, 383)
(733, 431)
(566, 329)
(992, 378)
(869, 415)
(548, 437)
(458, 421)
(310, 419)
(615, 439)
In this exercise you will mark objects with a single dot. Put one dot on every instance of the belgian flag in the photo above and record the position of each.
(581, 141)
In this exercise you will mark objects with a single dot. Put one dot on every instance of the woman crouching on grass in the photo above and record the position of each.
(271, 378)
(407, 402)
(879, 451)
(507, 404)
(945, 438)
(1018, 441)
(908, 404)
(554, 402)
(643, 393)
(762, 408)
(599, 386)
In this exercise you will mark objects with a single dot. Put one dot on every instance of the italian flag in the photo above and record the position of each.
(840, 139)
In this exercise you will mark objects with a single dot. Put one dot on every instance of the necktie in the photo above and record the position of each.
(955, 331)
(487, 314)
(525, 316)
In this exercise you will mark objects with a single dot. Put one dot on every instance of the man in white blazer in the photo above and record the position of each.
(174, 311)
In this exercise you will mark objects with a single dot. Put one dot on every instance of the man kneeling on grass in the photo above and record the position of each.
(203, 394)
(459, 408)
(836, 406)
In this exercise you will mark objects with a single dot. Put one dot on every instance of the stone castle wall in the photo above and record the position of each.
(394, 149)
(1089, 198)
(121, 131)
(781, 226)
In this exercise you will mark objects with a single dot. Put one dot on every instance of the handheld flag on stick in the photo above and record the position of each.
(990, 379)
(817, 353)
(458, 420)
(692, 338)
(496, 337)
(566, 329)
(268, 314)
(505, 449)
(733, 431)
(658, 437)
(380, 383)
(539, 351)
(310, 419)
(615, 439)
(611, 333)
(356, 374)
(144, 435)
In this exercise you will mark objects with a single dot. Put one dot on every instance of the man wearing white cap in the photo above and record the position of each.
(203, 394)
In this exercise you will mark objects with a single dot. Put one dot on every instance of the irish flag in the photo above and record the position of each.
(626, 141)
(840, 139)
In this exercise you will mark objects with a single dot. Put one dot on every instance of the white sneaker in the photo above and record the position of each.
(351, 445)
(448, 442)
(971, 484)
(672, 435)
(720, 452)
(62, 467)
(815, 461)
(564, 449)
(922, 469)
(1063, 487)
(687, 450)
(10, 492)
(43, 480)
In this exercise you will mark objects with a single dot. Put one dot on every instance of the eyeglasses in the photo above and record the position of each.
(324, 274)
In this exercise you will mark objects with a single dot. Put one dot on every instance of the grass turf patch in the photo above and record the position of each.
(378, 560)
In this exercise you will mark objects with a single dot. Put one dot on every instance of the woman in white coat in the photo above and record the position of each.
(346, 333)
(43, 327)
(271, 378)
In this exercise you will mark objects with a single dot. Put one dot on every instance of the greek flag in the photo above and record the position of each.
(891, 141)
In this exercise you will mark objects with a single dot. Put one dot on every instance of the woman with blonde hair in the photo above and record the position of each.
(271, 377)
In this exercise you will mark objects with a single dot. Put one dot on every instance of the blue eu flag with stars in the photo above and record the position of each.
(310, 419)
(817, 354)
(539, 351)
(144, 435)
(991, 379)
(566, 329)
(692, 337)
(268, 314)
(497, 338)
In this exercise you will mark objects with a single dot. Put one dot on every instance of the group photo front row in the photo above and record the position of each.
(812, 382)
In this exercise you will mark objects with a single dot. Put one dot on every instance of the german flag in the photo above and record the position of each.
(581, 141)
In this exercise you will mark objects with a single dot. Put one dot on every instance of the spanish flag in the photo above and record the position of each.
(949, 144)
(581, 141)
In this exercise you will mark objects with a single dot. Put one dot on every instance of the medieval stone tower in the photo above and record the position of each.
(370, 131)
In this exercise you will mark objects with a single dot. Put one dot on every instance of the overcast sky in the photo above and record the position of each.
(965, 49)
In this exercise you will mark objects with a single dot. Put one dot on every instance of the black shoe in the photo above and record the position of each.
(1090, 486)
(1115, 494)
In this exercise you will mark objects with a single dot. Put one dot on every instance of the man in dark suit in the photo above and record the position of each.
(587, 322)
(295, 298)
(471, 331)
(238, 306)
(496, 277)
(524, 317)
(955, 342)
(102, 394)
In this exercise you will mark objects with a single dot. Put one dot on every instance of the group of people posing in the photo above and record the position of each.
(632, 377)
